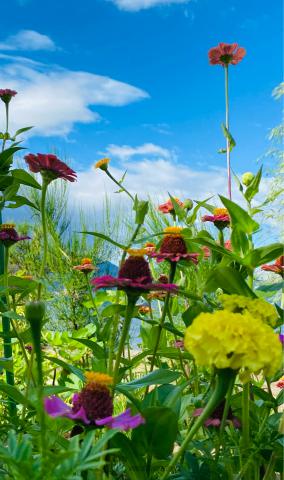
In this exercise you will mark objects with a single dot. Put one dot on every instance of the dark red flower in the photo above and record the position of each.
(225, 54)
(9, 236)
(277, 267)
(6, 94)
(50, 167)
(134, 275)
(173, 247)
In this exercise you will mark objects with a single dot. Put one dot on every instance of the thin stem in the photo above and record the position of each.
(119, 185)
(225, 415)
(44, 232)
(163, 317)
(246, 423)
(7, 126)
(223, 379)
(131, 301)
(227, 127)
(221, 238)
(270, 467)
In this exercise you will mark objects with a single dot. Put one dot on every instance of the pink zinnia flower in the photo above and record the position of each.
(225, 54)
(277, 267)
(50, 167)
(9, 236)
(125, 421)
(220, 218)
(228, 245)
(173, 247)
(133, 275)
(6, 94)
(168, 207)
(179, 344)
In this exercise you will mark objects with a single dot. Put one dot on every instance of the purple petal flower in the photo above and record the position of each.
(124, 421)
(281, 338)
(55, 407)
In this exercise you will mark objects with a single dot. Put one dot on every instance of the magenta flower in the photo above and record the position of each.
(281, 338)
(9, 236)
(220, 218)
(124, 421)
(225, 54)
(50, 167)
(55, 407)
(179, 344)
(134, 275)
(6, 94)
(216, 417)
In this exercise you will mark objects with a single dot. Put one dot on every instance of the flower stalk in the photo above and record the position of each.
(45, 184)
(228, 146)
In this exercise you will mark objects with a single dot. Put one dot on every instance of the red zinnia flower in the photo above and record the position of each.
(50, 167)
(225, 54)
(9, 236)
(6, 94)
(277, 267)
(220, 218)
(168, 206)
(173, 247)
(134, 275)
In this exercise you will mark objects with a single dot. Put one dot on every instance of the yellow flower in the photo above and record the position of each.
(232, 340)
(98, 378)
(102, 164)
(220, 211)
(173, 231)
(137, 252)
(257, 307)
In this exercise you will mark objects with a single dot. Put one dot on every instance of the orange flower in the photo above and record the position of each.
(168, 206)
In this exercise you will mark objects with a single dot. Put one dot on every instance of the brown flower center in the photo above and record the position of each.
(134, 268)
(96, 401)
(173, 244)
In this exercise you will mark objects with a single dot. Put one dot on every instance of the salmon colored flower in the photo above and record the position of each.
(134, 276)
(225, 54)
(144, 309)
(277, 267)
(220, 218)
(173, 247)
(228, 245)
(6, 94)
(168, 207)
(102, 164)
(9, 236)
(85, 266)
(50, 167)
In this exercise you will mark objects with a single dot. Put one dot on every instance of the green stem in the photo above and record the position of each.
(7, 126)
(224, 378)
(227, 126)
(221, 238)
(163, 317)
(246, 423)
(270, 468)
(44, 233)
(8, 350)
(225, 415)
(121, 187)
(131, 301)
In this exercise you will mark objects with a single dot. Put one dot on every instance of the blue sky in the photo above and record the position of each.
(131, 79)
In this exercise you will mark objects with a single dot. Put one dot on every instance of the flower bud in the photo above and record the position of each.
(34, 311)
(247, 178)
(188, 204)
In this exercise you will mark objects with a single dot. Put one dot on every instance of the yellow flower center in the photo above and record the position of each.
(173, 231)
(102, 163)
(7, 226)
(85, 261)
(98, 378)
(220, 211)
(137, 252)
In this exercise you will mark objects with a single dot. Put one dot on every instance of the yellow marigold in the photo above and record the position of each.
(98, 378)
(232, 340)
(102, 164)
(137, 252)
(257, 307)
(220, 211)
(173, 231)
(85, 261)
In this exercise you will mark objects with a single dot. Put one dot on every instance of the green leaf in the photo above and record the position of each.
(253, 187)
(274, 287)
(25, 178)
(97, 350)
(158, 377)
(14, 393)
(229, 137)
(55, 390)
(7, 364)
(113, 309)
(241, 188)
(157, 436)
(262, 255)
(141, 208)
(70, 368)
(192, 311)
(191, 218)
(6, 159)
(179, 211)
(105, 237)
(11, 191)
(19, 201)
(21, 130)
(134, 464)
(230, 280)
(239, 216)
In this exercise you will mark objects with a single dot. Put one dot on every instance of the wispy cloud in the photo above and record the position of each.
(126, 152)
(54, 98)
(162, 128)
(28, 40)
(136, 5)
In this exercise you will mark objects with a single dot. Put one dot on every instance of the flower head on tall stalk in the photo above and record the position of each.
(86, 266)
(134, 276)
(226, 54)
(6, 94)
(93, 405)
(173, 247)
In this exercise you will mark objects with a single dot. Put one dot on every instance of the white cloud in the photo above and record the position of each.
(28, 40)
(136, 5)
(125, 152)
(54, 99)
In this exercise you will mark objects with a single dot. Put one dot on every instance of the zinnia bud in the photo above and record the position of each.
(247, 178)
(188, 204)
